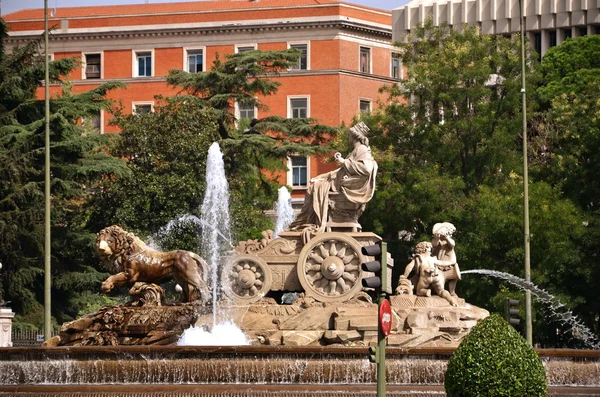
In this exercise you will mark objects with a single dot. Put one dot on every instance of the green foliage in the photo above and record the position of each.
(466, 168)
(166, 151)
(78, 162)
(568, 131)
(494, 360)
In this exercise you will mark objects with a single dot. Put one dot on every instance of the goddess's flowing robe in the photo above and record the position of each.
(354, 180)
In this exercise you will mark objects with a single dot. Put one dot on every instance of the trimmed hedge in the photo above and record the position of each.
(494, 360)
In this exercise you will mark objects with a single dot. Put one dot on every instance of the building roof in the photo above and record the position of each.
(169, 8)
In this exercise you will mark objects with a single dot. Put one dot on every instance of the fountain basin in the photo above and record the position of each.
(256, 365)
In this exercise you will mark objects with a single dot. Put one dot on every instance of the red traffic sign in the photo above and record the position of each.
(385, 317)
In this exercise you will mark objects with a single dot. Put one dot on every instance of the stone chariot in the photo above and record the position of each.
(321, 252)
(326, 268)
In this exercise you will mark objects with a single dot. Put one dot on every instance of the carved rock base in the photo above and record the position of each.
(416, 321)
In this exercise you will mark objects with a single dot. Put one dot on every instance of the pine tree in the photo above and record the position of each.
(77, 164)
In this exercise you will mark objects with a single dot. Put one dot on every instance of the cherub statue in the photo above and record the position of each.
(427, 277)
(443, 250)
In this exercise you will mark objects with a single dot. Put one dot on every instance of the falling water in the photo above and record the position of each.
(215, 213)
(557, 309)
(283, 211)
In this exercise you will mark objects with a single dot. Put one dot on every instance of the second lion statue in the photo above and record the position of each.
(133, 261)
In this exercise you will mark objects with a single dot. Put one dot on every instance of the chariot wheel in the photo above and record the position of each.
(329, 267)
(246, 278)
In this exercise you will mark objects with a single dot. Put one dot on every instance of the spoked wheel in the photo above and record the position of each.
(329, 267)
(246, 279)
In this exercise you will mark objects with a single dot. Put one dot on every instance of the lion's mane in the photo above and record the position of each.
(122, 244)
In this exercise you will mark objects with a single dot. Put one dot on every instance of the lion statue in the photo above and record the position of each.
(133, 261)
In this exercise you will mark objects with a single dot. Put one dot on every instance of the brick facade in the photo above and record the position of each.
(334, 32)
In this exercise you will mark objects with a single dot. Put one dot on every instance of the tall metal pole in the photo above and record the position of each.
(528, 322)
(381, 348)
(47, 279)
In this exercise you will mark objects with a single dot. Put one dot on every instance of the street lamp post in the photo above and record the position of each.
(527, 236)
(47, 279)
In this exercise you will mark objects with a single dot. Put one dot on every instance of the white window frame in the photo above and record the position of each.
(360, 47)
(289, 104)
(369, 101)
(238, 112)
(238, 46)
(186, 52)
(134, 63)
(307, 44)
(134, 105)
(84, 64)
(400, 71)
(290, 173)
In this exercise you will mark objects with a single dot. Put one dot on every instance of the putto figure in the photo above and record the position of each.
(443, 249)
(338, 198)
(427, 276)
(133, 261)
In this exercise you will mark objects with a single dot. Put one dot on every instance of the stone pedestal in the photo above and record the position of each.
(6, 316)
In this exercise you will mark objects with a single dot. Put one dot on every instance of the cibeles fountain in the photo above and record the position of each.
(295, 297)
(314, 265)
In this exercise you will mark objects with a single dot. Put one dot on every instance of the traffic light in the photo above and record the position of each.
(377, 266)
(373, 354)
(511, 312)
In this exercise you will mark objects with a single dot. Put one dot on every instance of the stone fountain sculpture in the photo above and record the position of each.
(146, 319)
(317, 260)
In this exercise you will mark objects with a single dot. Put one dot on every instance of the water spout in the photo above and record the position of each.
(215, 212)
(557, 309)
(283, 210)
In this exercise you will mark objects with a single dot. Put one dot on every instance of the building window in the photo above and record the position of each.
(298, 174)
(92, 66)
(583, 31)
(365, 60)
(195, 61)
(93, 122)
(241, 49)
(143, 64)
(395, 71)
(298, 108)
(552, 38)
(142, 107)
(302, 63)
(537, 43)
(364, 106)
(245, 111)
(568, 33)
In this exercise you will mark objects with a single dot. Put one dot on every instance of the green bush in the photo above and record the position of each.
(494, 360)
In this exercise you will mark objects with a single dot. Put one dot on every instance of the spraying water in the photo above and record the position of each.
(283, 210)
(182, 221)
(557, 310)
(215, 213)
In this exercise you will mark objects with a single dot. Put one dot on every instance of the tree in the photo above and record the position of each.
(446, 129)
(566, 148)
(77, 164)
(569, 127)
(448, 146)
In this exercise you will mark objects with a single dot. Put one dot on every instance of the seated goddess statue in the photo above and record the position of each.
(338, 198)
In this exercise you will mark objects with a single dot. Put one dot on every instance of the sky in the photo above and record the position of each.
(8, 6)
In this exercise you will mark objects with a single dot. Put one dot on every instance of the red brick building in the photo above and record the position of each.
(348, 53)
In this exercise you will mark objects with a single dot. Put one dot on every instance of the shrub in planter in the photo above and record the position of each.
(494, 360)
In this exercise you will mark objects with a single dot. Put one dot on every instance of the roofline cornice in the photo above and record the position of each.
(216, 11)
(352, 26)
